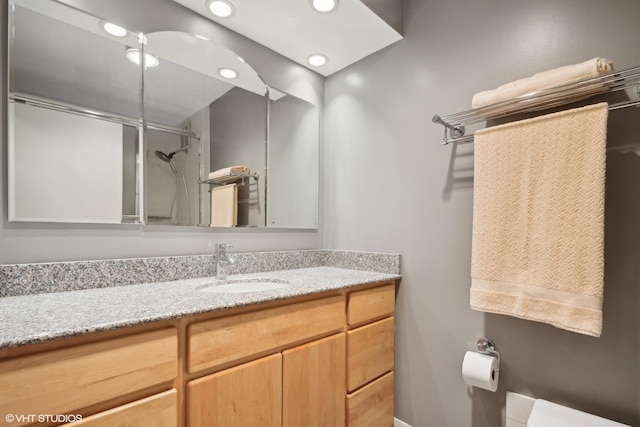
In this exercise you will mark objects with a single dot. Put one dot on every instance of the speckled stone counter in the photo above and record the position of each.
(29, 319)
(36, 278)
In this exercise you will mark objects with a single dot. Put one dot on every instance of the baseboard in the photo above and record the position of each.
(398, 423)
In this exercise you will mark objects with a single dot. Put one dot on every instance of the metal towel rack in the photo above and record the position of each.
(232, 177)
(455, 124)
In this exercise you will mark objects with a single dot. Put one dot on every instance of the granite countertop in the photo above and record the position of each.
(30, 319)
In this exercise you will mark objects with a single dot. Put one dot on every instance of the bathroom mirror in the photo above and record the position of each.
(220, 102)
(72, 98)
(293, 162)
(105, 151)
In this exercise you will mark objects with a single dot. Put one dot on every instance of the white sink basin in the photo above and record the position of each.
(242, 286)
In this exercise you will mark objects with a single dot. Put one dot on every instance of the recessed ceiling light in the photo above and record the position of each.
(221, 8)
(133, 55)
(228, 73)
(113, 29)
(324, 6)
(317, 60)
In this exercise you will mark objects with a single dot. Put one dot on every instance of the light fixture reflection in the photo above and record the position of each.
(324, 6)
(113, 29)
(133, 55)
(228, 73)
(317, 60)
(221, 8)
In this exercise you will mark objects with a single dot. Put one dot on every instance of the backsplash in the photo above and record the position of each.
(28, 279)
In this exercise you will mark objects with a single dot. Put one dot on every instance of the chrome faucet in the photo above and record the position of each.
(221, 259)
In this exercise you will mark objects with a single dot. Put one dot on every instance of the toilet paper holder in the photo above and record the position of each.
(486, 346)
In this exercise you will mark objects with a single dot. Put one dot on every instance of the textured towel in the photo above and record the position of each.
(546, 80)
(231, 170)
(538, 219)
(224, 206)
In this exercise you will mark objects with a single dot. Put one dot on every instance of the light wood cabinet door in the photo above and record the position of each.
(314, 384)
(160, 410)
(245, 395)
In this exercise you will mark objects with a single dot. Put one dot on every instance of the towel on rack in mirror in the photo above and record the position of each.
(547, 80)
(538, 219)
(224, 206)
(231, 170)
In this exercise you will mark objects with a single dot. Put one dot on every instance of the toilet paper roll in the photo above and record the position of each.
(480, 370)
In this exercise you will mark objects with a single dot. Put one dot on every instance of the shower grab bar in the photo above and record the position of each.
(542, 99)
(109, 117)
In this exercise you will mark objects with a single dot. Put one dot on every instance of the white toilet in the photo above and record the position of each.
(524, 411)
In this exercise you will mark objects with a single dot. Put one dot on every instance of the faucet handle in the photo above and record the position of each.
(223, 245)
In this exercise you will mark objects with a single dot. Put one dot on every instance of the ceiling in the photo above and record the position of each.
(295, 30)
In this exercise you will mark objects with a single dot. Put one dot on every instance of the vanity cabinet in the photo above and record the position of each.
(316, 361)
(370, 357)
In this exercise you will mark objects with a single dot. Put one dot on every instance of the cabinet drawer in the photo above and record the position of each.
(160, 410)
(218, 342)
(372, 406)
(370, 352)
(66, 380)
(370, 304)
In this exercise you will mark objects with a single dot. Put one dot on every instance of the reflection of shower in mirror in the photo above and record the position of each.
(173, 210)
(167, 157)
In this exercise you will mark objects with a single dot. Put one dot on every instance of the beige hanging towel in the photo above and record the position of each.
(538, 219)
(224, 206)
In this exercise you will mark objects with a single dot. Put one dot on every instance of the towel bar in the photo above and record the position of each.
(228, 179)
(543, 99)
(455, 131)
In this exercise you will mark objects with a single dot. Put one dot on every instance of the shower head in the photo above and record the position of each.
(164, 157)
(167, 157)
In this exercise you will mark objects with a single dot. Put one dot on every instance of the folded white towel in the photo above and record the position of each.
(231, 170)
(545, 80)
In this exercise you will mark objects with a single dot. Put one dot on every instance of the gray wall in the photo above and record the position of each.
(23, 242)
(390, 186)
